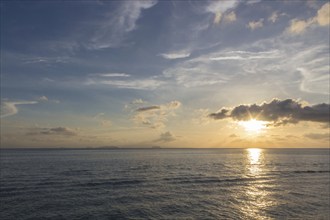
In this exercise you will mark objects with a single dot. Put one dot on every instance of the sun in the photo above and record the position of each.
(253, 125)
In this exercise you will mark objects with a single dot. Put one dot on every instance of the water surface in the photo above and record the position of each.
(165, 184)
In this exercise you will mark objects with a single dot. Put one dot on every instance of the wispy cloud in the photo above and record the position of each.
(63, 131)
(46, 60)
(210, 69)
(111, 74)
(246, 55)
(123, 81)
(251, 2)
(175, 55)
(314, 84)
(113, 30)
(140, 84)
(10, 108)
(272, 61)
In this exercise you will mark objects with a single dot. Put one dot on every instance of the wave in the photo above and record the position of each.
(110, 183)
(210, 180)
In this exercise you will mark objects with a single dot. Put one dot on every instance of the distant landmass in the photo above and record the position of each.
(108, 147)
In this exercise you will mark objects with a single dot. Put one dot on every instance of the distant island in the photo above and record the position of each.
(108, 147)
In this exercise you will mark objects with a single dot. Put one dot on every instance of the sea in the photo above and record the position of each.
(164, 184)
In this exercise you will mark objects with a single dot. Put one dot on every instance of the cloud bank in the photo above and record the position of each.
(276, 112)
(318, 136)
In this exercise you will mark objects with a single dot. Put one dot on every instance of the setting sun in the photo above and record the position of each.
(253, 125)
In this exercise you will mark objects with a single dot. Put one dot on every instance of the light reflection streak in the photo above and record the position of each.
(254, 158)
(256, 196)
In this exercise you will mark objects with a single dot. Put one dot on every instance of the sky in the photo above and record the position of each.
(187, 74)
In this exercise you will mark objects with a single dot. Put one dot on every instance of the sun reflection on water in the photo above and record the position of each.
(254, 155)
(256, 195)
(255, 160)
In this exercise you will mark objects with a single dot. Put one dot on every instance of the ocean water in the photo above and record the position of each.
(165, 184)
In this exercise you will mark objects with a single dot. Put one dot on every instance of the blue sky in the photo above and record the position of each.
(144, 73)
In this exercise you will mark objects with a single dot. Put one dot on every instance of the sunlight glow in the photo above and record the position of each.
(253, 125)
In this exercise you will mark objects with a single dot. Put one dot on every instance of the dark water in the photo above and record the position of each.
(165, 184)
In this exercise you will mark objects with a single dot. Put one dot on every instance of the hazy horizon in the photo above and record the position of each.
(185, 74)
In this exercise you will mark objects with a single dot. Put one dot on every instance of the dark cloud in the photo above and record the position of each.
(223, 113)
(53, 131)
(143, 109)
(233, 136)
(166, 137)
(278, 112)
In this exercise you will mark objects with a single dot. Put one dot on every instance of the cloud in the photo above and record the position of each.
(218, 8)
(46, 60)
(246, 55)
(255, 24)
(318, 136)
(149, 108)
(233, 136)
(111, 74)
(273, 17)
(112, 31)
(123, 81)
(63, 131)
(276, 62)
(43, 98)
(155, 116)
(276, 112)
(137, 101)
(211, 69)
(175, 55)
(311, 83)
(166, 137)
(251, 2)
(231, 17)
(322, 19)
(10, 108)
(299, 26)
(102, 119)
(140, 84)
